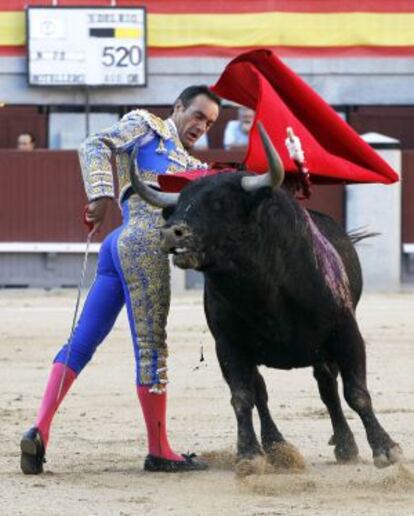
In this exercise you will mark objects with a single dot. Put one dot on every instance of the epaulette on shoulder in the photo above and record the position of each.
(154, 122)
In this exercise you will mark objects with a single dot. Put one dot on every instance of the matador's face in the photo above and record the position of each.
(194, 120)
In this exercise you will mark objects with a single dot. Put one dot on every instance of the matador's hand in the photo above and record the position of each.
(96, 211)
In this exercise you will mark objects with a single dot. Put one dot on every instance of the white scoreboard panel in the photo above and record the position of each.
(102, 46)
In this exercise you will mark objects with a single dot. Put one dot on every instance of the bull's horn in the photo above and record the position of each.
(276, 169)
(276, 174)
(150, 195)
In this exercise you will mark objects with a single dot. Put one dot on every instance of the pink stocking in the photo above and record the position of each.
(154, 407)
(54, 393)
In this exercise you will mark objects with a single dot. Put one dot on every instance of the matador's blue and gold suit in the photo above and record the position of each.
(131, 267)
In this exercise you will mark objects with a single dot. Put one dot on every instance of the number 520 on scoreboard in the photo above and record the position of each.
(100, 46)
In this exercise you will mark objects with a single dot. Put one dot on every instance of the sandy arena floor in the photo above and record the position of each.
(97, 445)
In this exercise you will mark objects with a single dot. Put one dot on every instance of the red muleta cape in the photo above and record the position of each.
(334, 152)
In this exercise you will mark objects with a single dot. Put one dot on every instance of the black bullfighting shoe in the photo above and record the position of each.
(190, 463)
(32, 452)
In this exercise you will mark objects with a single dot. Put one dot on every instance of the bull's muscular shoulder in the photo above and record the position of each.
(149, 120)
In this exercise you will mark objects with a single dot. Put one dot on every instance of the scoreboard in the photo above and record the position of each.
(90, 46)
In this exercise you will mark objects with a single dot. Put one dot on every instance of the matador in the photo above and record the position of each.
(131, 269)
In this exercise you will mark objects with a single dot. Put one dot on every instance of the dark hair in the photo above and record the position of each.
(32, 137)
(187, 95)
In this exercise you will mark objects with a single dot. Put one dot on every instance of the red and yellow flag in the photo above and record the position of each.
(294, 28)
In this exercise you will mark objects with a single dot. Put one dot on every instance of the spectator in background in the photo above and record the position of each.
(236, 133)
(26, 142)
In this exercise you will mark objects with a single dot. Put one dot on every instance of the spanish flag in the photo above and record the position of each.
(295, 28)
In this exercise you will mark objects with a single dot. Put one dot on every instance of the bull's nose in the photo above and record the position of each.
(173, 236)
(172, 233)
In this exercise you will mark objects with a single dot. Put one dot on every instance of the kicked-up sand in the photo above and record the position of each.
(98, 441)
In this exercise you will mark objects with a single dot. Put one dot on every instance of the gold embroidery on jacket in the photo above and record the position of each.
(161, 149)
(146, 271)
(173, 155)
(95, 153)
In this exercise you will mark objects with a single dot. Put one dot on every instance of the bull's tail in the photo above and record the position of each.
(358, 234)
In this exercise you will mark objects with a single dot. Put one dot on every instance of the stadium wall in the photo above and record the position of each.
(351, 81)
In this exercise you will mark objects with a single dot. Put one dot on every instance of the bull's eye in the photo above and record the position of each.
(178, 232)
(216, 205)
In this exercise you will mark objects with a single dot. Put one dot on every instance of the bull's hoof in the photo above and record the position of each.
(346, 450)
(387, 457)
(283, 455)
(255, 465)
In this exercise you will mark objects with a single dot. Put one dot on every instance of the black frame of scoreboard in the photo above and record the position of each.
(79, 7)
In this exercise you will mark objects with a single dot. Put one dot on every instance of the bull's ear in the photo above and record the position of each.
(167, 212)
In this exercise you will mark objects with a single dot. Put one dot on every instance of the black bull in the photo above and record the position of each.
(281, 287)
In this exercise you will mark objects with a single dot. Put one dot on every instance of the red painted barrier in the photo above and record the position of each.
(42, 196)
(408, 197)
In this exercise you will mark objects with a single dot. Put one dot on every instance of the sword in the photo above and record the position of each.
(78, 298)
